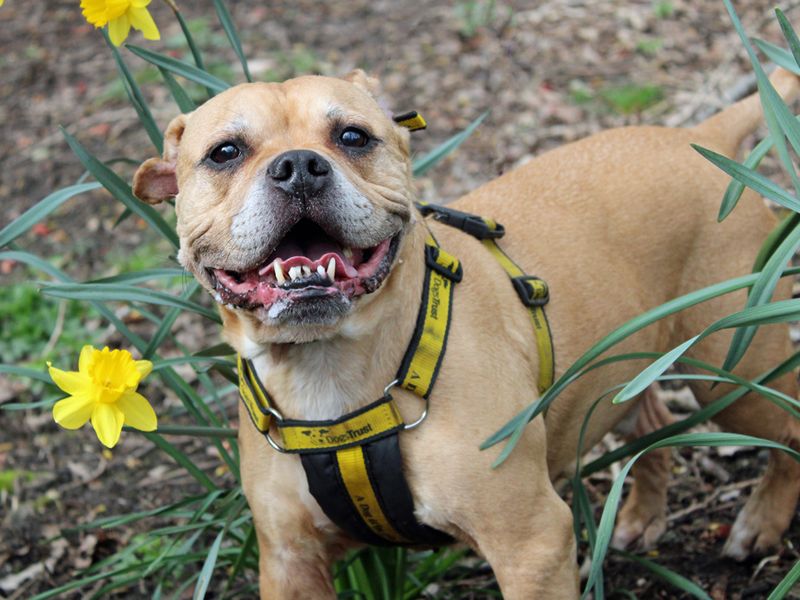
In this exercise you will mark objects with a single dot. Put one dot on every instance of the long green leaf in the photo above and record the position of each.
(180, 68)
(787, 583)
(166, 323)
(671, 577)
(735, 188)
(136, 98)
(760, 294)
(41, 210)
(121, 190)
(26, 372)
(606, 526)
(752, 179)
(233, 37)
(424, 164)
(518, 422)
(778, 55)
(182, 99)
(776, 312)
(143, 275)
(125, 293)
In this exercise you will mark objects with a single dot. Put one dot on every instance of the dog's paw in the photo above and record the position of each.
(638, 533)
(751, 536)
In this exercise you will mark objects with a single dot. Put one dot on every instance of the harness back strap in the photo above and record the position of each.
(532, 291)
(353, 464)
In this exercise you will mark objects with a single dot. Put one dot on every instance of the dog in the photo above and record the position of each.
(616, 224)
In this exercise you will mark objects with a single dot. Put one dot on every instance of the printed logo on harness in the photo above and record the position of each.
(325, 437)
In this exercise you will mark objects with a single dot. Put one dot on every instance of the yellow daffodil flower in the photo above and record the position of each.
(120, 16)
(103, 389)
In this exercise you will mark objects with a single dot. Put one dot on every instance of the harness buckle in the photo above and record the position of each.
(532, 291)
(474, 225)
(406, 426)
(453, 271)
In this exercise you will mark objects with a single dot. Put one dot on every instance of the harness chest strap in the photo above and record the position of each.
(341, 457)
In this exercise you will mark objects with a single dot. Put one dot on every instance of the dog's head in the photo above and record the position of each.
(292, 200)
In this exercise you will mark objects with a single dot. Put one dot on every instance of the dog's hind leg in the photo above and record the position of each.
(642, 519)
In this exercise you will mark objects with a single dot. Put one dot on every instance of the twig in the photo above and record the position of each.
(58, 329)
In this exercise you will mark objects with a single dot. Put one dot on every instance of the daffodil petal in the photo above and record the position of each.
(118, 30)
(144, 367)
(85, 360)
(71, 382)
(73, 412)
(107, 421)
(143, 21)
(138, 412)
(139, 3)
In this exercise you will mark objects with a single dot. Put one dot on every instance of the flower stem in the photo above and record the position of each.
(193, 430)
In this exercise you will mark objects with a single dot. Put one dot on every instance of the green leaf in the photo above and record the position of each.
(774, 239)
(735, 188)
(424, 164)
(182, 99)
(777, 312)
(221, 349)
(752, 179)
(789, 34)
(779, 56)
(143, 275)
(606, 526)
(167, 322)
(787, 583)
(37, 374)
(180, 68)
(125, 293)
(136, 99)
(182, 459)
(121, 190)
(676, 580)
(41, 210)
(760, 294)
(620, 333)
(233, 37)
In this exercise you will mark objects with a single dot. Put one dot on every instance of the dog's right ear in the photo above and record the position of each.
(155, 179)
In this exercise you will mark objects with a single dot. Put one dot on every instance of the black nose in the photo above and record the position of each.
(300, 173)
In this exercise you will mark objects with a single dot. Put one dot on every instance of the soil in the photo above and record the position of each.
(549, 73)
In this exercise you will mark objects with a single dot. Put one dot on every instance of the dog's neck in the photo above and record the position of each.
(328, 378)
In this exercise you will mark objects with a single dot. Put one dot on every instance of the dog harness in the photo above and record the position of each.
(353, 464)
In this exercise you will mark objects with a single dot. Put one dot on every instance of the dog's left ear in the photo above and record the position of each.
(155, 179)
(360, 79)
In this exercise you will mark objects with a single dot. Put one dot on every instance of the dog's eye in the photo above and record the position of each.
(353, 137)
(223, 153)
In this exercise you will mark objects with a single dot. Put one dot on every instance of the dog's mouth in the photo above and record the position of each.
(308, 264)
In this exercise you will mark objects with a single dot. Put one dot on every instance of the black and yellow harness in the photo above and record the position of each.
(353, 464)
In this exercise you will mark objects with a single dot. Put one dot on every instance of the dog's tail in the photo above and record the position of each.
(730, 126)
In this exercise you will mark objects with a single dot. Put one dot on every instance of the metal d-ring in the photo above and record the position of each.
(278, 419)
(421, 418)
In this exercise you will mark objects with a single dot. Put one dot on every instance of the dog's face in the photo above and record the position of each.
(292, 200)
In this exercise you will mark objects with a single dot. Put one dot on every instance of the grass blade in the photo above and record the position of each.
(787, 583)
(424, 164)
(774, 239)
(185, 104)
(121, 190)
(41, 210)
(230, 30)
(778, 55)
(676, 580)
(180, 68)
(208, 568)
(735, 188)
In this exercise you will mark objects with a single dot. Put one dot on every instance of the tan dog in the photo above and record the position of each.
(616, 224)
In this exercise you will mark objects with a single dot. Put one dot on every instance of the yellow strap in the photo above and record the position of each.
(254, 396)
(378, 420)
(355, 476)
(420, 374)
(541, 328)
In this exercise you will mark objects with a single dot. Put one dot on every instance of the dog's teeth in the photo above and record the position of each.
(294, 272)
(279, 273)
(306, 270)
(332, 269)
(321, 270)
(348, 254)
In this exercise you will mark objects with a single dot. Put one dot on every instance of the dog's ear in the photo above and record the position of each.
(155, 179)
(360, 79)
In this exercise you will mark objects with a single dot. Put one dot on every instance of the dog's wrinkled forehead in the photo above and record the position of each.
(294, 113)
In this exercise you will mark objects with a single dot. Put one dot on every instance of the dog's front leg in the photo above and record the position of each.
(293, 571)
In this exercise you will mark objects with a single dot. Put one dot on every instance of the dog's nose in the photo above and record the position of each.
(300, 172)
